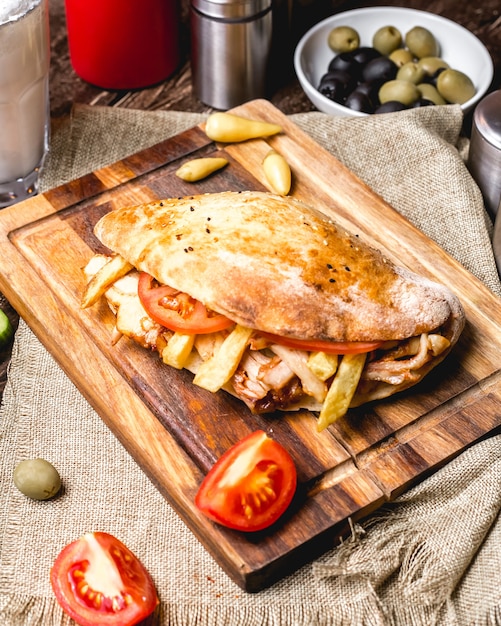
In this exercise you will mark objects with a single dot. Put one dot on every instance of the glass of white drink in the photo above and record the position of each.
(24, 96)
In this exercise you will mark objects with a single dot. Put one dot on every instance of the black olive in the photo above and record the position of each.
(381, 69)
(334, 89)
(371, 90)
(434, 77)
(358, 101)
(422, 102)
(345, 63)
(390, 107)
(364, 54)
(339, 74)
(429, 80)
(348, 81)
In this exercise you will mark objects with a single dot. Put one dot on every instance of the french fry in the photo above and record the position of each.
(114, 269)
(341, 391)
(323, 365)
(178, 349)
(220, 367)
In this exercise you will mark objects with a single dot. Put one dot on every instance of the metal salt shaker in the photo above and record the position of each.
(230, 50)
(484, 160)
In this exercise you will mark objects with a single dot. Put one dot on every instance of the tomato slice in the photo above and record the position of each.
(330, 347)
(98, 580)
(250, 486)
(176, 310)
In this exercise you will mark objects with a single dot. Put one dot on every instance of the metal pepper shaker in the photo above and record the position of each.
(484, 158)
(230, 50)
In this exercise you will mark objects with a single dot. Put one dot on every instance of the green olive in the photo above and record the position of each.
(36, 478)
(455, 87)
(411, 72)
(343, 39)
(429, 92)
(401, 56)
(421, 42)
(387, 39)
(399, 91)
(431, 64)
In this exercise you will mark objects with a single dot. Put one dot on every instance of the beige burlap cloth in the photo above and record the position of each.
(432, 557)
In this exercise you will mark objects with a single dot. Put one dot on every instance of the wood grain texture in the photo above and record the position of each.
(176, 431)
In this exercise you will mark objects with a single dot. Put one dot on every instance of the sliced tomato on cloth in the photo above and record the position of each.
(250, 486)
(97, 580)
(176, 310)
(329, 347)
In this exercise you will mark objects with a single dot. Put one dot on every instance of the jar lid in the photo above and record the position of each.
(231, 9)
(487, 118)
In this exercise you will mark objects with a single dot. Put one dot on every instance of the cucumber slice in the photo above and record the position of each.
(6, 330)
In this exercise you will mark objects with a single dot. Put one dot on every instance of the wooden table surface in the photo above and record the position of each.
(481, 18)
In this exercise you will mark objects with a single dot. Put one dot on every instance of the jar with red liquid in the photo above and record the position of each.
(123, 44)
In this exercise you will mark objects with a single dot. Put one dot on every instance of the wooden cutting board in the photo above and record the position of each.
(176, 431)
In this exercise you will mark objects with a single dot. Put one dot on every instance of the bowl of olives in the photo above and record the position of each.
(382, 59)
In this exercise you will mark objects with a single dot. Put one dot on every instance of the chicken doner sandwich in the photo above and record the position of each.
(262, 296)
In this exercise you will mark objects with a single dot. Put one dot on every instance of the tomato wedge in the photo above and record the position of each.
(176, 310)
(250, 486)
(329, 347)
(97, 580)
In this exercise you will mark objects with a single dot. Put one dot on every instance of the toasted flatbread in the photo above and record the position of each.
(274, 264)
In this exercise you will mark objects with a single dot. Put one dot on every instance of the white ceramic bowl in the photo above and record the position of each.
(458, 46)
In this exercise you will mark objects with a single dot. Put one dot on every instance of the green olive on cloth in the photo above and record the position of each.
(37, 479)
